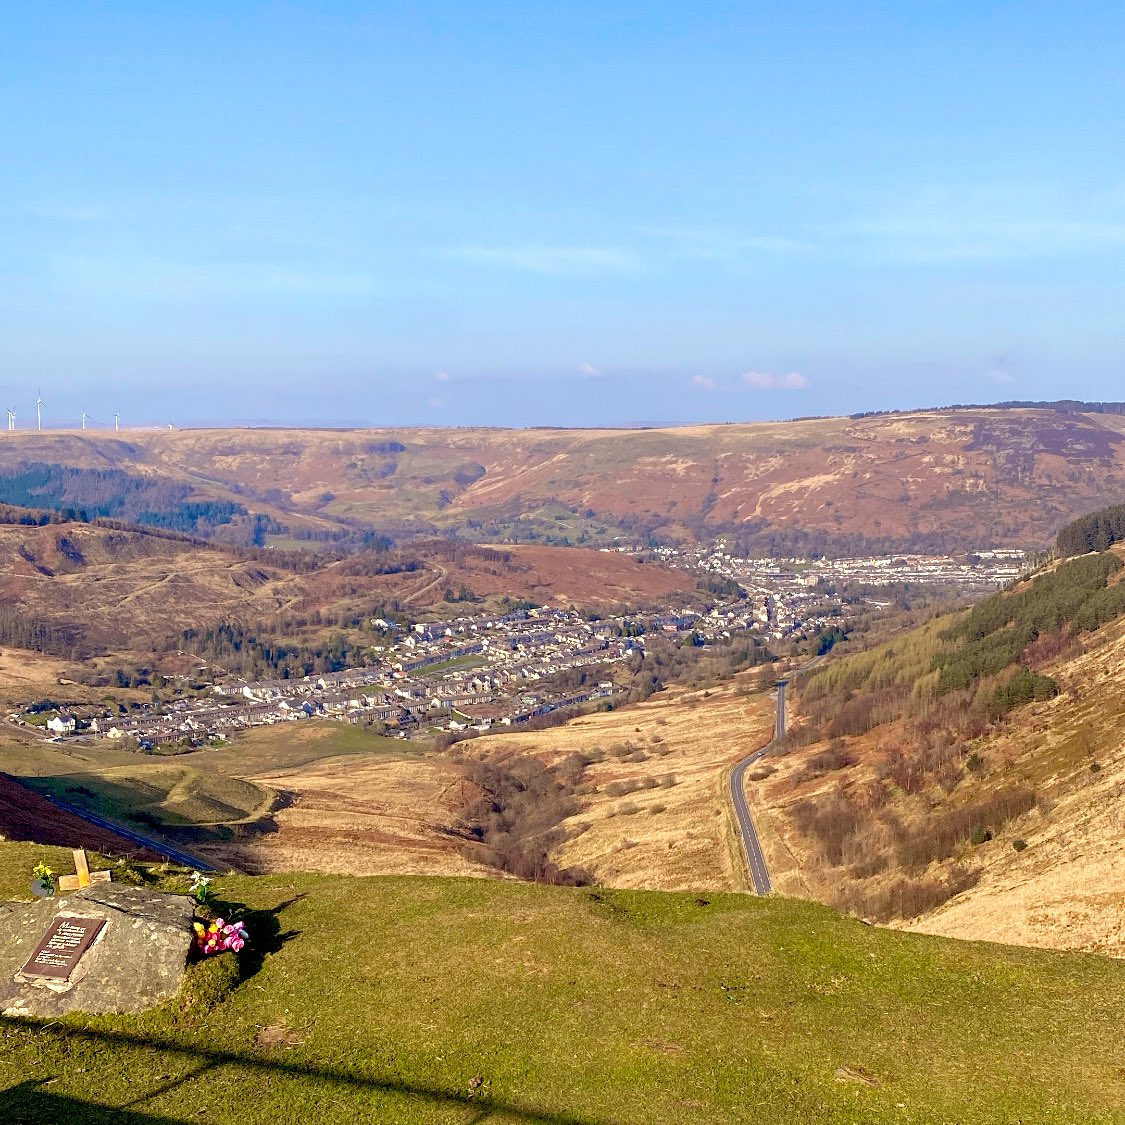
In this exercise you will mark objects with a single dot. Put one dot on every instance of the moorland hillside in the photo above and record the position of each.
(952, 479)
(73, 589)
(966, 777)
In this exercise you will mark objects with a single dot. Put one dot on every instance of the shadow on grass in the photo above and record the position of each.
(32, 1103)
(264, 927)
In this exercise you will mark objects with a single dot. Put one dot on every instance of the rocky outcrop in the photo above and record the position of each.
(136, 962)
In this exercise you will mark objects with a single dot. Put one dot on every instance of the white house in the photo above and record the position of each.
(62, 724)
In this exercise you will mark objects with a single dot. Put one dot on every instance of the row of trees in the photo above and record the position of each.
(1096, 532)
(1074, 597)
(256, 653)
(513, 823)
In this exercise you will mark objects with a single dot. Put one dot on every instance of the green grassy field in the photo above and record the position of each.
(457, 664)
(169, 793)
(288, 543)
(202, 790)
(455, 1000)
(291, 745)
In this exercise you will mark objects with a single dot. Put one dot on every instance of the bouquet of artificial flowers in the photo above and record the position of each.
(219, 937)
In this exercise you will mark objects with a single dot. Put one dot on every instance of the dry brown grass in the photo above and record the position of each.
(664, 836)
(134, 591)
(362, 817)
(564, 576)
(1066, 889)
(653, 812)
(27, 675)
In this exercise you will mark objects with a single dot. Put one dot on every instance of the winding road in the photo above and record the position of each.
(428, 586)
(755, 859)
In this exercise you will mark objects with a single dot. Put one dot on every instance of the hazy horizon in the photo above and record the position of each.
(96, 425)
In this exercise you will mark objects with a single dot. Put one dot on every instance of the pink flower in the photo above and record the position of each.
(220, 936)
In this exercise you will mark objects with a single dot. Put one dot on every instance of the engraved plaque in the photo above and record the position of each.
(64, 943)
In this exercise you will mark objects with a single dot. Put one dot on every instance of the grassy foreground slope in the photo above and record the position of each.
(460, 1000)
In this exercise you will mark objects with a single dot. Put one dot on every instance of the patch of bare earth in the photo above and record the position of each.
(349, 815)
(574, 576)
(654, 810)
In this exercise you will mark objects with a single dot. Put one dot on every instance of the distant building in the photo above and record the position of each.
(62, 724)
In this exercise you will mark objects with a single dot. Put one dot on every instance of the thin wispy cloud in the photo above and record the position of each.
(442, 377)
(1002, 369)
(717, 245)
(544, 258)
(703, 382)
(989, 223)
(588, 371)
(68, 212)
(166, 279)
(775, 381)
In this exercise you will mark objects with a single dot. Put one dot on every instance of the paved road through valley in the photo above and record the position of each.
(184, 859)
(755, 860)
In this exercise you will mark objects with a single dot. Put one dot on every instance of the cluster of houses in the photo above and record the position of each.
(470, 672)
(477, 672)
(787, 595)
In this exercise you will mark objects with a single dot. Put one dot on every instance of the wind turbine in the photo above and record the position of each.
(83, 419)
(117, 421)
(39, 409)
(11, 419)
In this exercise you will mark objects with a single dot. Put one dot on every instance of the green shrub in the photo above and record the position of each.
(1019, 843)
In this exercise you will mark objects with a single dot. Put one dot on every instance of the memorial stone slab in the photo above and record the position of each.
(67, 938)
(105, 948)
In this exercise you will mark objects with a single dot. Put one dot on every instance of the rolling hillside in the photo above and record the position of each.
(966, 778)
(73, 589)
(27, 815)
(958, 478)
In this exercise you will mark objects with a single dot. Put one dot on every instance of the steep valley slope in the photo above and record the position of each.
(993, 811)
(959, 477)
(75, 588)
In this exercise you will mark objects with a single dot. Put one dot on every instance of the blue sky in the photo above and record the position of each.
(583, 213)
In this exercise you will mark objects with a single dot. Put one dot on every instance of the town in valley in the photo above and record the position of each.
(499, 671)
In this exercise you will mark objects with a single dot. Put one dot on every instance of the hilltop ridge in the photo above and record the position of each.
(953, 478)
